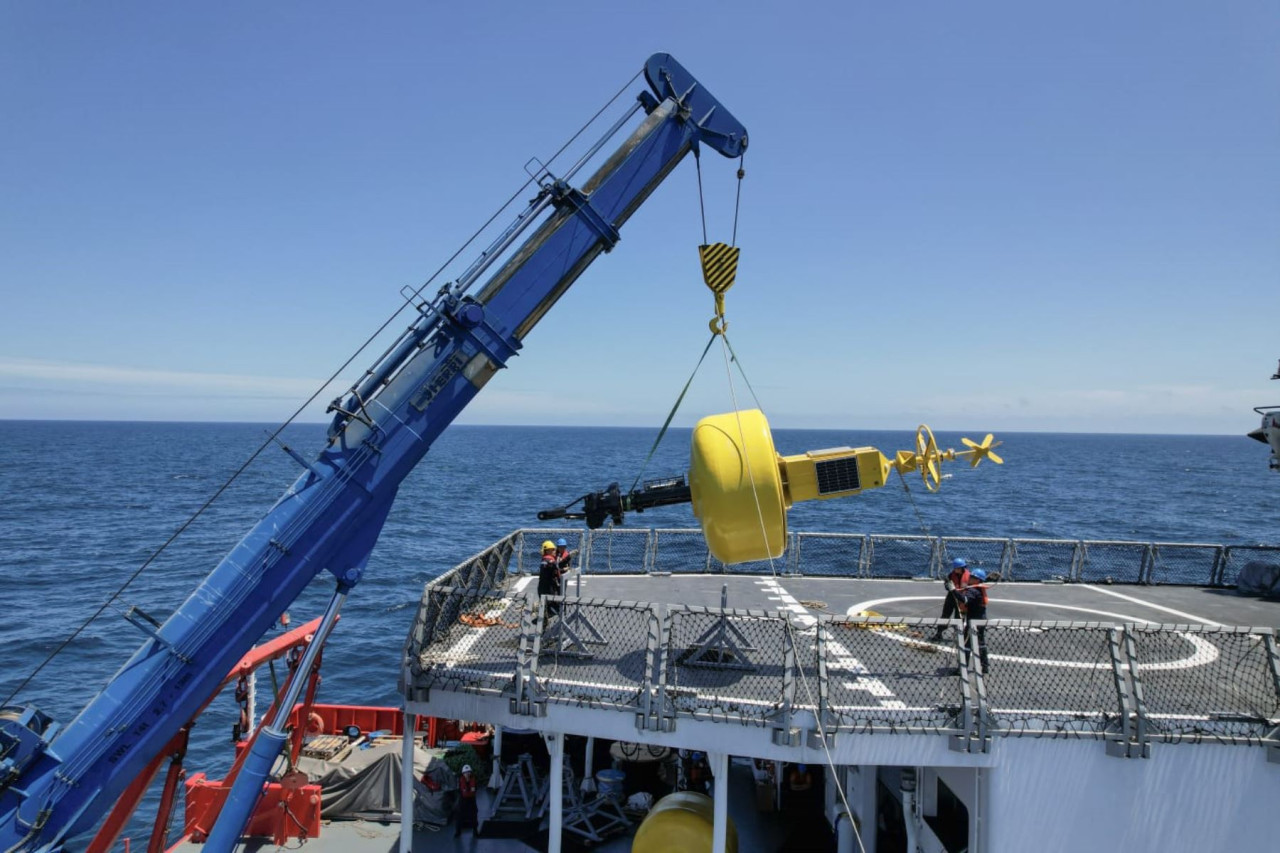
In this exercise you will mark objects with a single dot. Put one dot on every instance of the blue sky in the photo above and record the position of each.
(986, 216)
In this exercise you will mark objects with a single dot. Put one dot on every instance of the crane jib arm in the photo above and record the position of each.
(53, 788)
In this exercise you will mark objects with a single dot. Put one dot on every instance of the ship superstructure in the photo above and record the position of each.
(1110, 684)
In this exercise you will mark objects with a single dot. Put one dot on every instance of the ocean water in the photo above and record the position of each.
(85, 505)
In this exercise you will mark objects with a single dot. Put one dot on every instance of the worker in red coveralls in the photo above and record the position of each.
(468, 817)
(549, 575)
(957, 579)
(973, 602)
(564, 557)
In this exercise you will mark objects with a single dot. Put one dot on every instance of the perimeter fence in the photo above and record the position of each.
(479, 629)
(618, 550)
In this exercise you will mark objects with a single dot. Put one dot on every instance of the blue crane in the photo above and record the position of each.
(57, 782)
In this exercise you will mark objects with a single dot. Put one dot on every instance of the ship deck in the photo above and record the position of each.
(747, 649)
(833, 656)
(819, 648)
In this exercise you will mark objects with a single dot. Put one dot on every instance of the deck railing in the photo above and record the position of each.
(684, 551)
(1127, 684)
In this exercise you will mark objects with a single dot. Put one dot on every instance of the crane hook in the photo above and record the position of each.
(719, 268)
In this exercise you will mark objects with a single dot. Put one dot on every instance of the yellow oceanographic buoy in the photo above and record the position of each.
(681, 823)
(736, 488)
(741, 488)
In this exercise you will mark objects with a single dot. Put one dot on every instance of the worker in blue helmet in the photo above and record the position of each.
(564, 557)
(956, 579)
(698, 774)
(973, 603)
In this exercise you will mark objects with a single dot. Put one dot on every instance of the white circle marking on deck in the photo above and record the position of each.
(1205, 651)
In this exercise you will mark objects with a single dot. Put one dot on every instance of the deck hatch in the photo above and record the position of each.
(837, 475)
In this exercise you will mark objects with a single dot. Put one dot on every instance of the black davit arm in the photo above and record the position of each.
(611, 502)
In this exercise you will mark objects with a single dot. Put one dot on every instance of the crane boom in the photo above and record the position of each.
(55, 786)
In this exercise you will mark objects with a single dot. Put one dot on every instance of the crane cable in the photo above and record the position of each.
(718, 282)
(737, 201)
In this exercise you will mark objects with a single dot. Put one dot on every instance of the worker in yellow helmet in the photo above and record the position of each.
(549, 575)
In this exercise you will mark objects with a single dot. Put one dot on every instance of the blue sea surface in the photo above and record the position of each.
(87, 504)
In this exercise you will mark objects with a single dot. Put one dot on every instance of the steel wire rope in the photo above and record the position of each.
(786, 622)
(924, 528)
(702, 207)
(737, 202)
(276, 433)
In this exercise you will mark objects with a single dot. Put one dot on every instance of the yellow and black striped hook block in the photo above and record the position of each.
(719, 269)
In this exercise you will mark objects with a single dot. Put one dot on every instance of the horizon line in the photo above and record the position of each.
(616, 426)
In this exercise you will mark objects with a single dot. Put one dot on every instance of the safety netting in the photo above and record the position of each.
(890, 675)
(727, 664)
(1050, 678)
(593, 652)
(1201, 682)
(471, 642)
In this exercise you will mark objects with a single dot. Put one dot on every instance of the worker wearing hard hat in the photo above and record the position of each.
(563, 555)
(467, 813)
(956, 579)
(973, 603)
(549, 574)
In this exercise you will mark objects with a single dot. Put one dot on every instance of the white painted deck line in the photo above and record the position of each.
(843, 659)
(789, 602)
(1188, 616)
